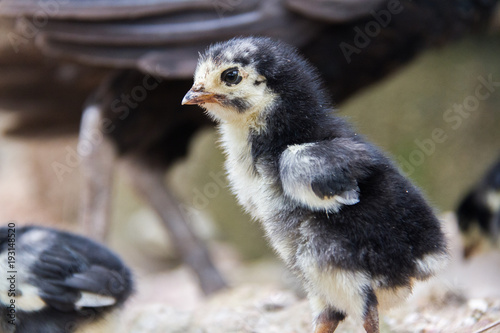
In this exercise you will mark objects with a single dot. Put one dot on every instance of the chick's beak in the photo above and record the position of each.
(198, 95)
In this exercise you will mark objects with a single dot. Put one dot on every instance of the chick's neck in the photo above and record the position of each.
(296, 119)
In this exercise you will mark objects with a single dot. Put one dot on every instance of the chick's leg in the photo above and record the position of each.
(328, 318)
(327, 327)
(371, 323)
(149, 182)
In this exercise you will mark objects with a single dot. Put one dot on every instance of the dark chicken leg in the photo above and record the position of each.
(98, 157)
(149, 183)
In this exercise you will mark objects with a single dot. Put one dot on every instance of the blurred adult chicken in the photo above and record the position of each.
(156, 42)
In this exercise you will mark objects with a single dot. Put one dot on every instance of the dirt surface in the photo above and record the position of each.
(464, 298)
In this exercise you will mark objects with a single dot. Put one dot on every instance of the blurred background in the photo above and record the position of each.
(399, 114)
(428, 116)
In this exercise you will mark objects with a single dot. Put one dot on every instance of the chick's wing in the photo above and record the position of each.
(325, 175)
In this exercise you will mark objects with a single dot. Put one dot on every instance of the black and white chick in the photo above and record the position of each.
(335, 209)
(478, 213)
(58, 282)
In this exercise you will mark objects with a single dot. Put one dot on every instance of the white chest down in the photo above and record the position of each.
(254, 190)
(251, 188)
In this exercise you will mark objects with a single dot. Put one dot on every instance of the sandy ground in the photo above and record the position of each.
(465, 297)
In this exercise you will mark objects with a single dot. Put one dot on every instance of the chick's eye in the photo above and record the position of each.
(231, 76)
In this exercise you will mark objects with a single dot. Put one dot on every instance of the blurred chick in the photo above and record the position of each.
(333, 206)
(479, 213)
(64, 283)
